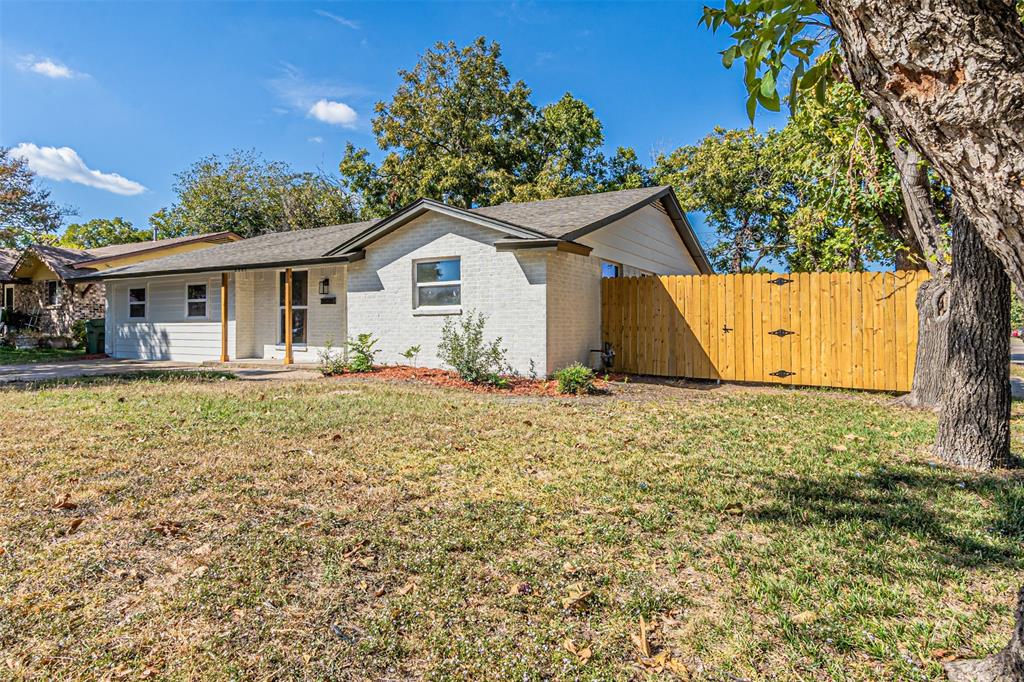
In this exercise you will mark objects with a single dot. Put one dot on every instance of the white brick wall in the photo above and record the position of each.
(574, 310)
(508, 287)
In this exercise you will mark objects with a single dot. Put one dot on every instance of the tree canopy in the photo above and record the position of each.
(101, 232)
(245, 193)
(27, 213)
(459, 130)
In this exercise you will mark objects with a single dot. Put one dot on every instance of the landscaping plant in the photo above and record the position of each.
(411, 354)
(361, 353)
(464, 349)
(332, 361)
(576, 379)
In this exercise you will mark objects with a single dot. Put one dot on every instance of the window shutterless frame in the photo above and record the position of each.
(52, 292)
(138, 303)
(197, 305)
(437, 283)
(300, 308)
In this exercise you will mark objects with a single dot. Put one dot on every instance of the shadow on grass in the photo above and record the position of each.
(145, 376)
(926, 502)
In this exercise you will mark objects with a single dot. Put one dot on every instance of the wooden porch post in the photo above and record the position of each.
(223, 317)
(288, 316)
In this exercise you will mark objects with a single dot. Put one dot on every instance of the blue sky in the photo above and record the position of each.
(128, 94)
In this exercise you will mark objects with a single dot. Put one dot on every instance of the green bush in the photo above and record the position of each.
(361, 353)
(78, 333)
(331, 361)
(463, 349)
(411, 354)
(575, 379)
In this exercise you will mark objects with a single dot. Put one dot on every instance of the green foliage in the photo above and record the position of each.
(772, 36)
(332, 361)
(1016, 311)
(464, 349)
(78, 333)
(411, 353)
(101, 232)
(251, 196)
(576, 379)
(734, 178)
(361, 353)
(27, 214)
(459, 130)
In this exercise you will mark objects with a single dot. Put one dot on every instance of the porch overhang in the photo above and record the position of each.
(349, 257)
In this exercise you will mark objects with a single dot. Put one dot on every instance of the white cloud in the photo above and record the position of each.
(334, 113)
(339, 19)
(64, 163)
(316, 139)
(46, 67)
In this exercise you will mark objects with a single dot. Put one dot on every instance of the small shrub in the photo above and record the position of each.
(332, 361)
(361, 353)
(411, 354)
(463, 349)
(575, 379)
(78, 333)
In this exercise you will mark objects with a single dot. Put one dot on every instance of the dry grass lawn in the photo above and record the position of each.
(168, 528)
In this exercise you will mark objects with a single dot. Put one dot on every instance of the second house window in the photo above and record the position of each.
(438, 282)
(195, 303)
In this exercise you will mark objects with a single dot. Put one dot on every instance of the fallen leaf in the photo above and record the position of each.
(576, 596)
(65, 503)
(584, 654)
(569, 568)
(805, 618)
(203, 549)
(944, 655)
(406, 588)
(169, 527)
(200, 571)
(365, 562)
(307, 523)
(734, 508)
(380, 591)
(640, 640)
(73, 526)
(520, 590)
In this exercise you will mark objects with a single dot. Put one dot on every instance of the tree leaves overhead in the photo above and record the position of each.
(101, 232)
(251, 196)
(27, 214)
(459, 130)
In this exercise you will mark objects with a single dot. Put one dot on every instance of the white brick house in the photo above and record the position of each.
(533, 269)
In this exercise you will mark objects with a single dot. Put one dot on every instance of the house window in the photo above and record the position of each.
(438, 282)
(610, 270)
(52, 289)
(195, 300)
(300, 282)
(137, 303)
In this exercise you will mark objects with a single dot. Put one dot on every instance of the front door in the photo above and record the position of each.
(9, 298)
(300, 309)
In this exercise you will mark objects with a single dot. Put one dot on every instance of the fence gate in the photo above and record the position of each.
(841, 329)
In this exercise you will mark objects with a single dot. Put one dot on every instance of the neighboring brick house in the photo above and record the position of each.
(39, 284)
(534, 269)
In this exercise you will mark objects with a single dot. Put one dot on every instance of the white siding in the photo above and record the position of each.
(574, 310)
(507, 287)
(644, 240)
(166, 334)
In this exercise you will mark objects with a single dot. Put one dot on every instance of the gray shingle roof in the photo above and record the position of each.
(562, 219)
(8, 257)
(559, 218)
(266, 250)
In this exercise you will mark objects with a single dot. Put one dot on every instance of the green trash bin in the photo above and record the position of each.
(95, 336)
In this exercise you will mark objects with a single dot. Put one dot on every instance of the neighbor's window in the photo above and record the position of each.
(51, 292)
(137, 303)
(610, 270)
(439, 282)
(195, 300)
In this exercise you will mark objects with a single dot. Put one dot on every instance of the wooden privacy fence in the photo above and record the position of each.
(842, 329)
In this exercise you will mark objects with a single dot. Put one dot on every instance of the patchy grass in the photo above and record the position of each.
(14, 356)
(364, 530)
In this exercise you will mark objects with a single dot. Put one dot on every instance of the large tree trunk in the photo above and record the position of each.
(1005, 666)
(930, 385)
(948, 77)
(974, 429)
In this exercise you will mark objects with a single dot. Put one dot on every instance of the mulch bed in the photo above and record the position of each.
(448, 379)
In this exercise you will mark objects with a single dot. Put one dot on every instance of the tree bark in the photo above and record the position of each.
(974, 429)
(948, 77)
(1005, 666)
(932, 336)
